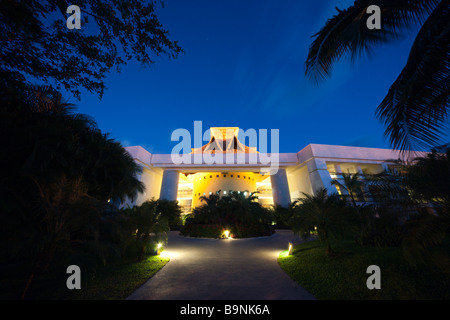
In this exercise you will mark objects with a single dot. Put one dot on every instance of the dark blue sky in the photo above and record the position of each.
(244, 66)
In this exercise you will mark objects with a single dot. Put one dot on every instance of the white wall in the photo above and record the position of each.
(299, 181)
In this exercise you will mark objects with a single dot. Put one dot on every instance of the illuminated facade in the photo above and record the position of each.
(313, 167)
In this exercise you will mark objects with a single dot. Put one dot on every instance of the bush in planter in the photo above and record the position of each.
(203, 230)
(236, 212)
(193, 229)
(241, 230)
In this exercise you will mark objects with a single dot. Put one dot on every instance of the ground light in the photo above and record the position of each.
(290, 249)
(158, 248)
(226, 233)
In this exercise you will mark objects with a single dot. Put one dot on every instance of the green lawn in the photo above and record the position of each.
(111, 282)
(120, 281)
(344, 276)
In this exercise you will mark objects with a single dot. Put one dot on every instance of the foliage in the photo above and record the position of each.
(210, 230)
(282, 215)
(429, 179)
(56, 179)
(148, 225)
(410, 207)
(250, 229)
(322, 212)
(239, 213)
(344, 276)
(415, 109)
(37, 44)
(113, 281)
(352, 186)
(171, 211)
(389, 189)
(47, 140)
(379, 227)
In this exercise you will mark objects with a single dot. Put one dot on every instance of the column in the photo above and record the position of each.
(169, 185)
(280, 188)
(319, 175)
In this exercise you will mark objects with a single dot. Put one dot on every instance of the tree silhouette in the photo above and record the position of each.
(415, 109)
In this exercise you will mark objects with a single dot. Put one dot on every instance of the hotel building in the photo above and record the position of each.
(311, 168)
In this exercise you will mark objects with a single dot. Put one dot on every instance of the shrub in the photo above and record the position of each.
(241, 230)
(202, 230)
(238, 213)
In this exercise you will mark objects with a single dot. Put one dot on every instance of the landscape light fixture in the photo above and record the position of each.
(158, 248)
(290, 248)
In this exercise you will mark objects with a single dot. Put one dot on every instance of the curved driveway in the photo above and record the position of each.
(227, 269)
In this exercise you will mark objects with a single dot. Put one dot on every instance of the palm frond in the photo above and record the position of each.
(347, 32)
(415, 110)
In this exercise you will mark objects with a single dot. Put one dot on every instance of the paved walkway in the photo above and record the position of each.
(213, 269)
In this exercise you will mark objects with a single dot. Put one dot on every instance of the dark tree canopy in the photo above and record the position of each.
(36, 43)
(416, 107)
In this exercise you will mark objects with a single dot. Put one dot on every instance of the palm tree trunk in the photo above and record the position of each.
(361, 232)
(329, 251)
(27, 286)
(42, 263)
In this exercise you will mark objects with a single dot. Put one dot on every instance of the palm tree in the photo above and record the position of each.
(389, 188)
(207, 212)
(322, 211)
(48, 100)
(56, 178)
(171, 211)
(352, 185)
(415, 108)
(243, 206)
(428, 182)
(65, 214)
(108, 167)
(149, 224)
(429, 179)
